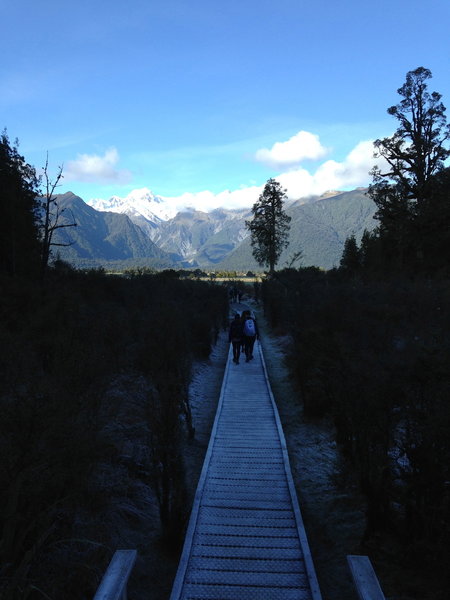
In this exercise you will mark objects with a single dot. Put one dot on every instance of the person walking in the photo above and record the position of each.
(250, 333)
(235, 337)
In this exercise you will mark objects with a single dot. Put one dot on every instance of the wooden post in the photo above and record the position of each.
(114, 583)
(364, 578)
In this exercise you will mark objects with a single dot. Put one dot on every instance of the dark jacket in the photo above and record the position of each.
(235, 332)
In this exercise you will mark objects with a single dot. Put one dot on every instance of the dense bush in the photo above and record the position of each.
(375, 356)
(77, 456)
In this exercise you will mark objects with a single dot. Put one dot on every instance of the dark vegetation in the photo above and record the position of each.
(73, 452)
(269, 228)
(94, 375)
(371, 348)
(412, 191)
(374, 356)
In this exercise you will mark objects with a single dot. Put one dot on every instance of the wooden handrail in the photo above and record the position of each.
(364, 578)
(114, 583)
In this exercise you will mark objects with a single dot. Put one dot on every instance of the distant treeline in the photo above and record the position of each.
(94, 376)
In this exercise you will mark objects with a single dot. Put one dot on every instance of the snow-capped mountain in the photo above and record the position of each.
(183, 233)
(319, 228)
(139, 203)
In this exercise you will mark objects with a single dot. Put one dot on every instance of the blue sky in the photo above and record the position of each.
(195, 98)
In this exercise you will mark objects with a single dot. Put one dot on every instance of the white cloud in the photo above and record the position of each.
(91, 168)
(299, 183)
(352, 172)
(206, 201)
(284, 155)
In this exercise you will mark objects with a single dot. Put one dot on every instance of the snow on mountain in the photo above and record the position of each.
(139, 203)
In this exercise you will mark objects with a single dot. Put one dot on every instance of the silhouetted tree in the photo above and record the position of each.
(19, 234)
(52, 214)
(269, 228)
(435, 224)
(350, 260)
(396, 216)
(416, 151)
(369, 250)
(414, 154)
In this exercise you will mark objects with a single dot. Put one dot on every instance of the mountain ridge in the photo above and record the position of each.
(318, 230)
(217, 239)
(101, 236)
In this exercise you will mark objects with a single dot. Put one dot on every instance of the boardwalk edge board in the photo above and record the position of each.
(310, 569)
(181, 573)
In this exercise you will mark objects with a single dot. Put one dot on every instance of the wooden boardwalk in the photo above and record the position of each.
(245, 538)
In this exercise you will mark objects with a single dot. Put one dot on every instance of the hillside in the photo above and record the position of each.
(102, 237)
(318, 229)
(218, 239)
(203, 238)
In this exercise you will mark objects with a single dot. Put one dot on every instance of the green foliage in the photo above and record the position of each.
(269, 228)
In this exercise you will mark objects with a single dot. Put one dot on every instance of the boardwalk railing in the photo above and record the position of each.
(364, 578)
(114, 583)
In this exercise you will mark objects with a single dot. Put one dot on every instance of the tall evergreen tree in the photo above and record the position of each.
(350, 260)
(369, 250)
(269, 228)
(19, 226)
(413, 155)
(417, 149)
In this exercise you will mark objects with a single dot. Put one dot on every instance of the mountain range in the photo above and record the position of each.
(101, 238)
(142, 229)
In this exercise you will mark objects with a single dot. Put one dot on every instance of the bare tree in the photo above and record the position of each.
(52, 215)
(296, 257)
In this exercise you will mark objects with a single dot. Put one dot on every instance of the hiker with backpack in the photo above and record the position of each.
(249, 334)
(235, 337)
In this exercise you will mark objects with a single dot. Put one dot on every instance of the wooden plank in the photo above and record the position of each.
(245, 538)
(114, 583)
(364, 578)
